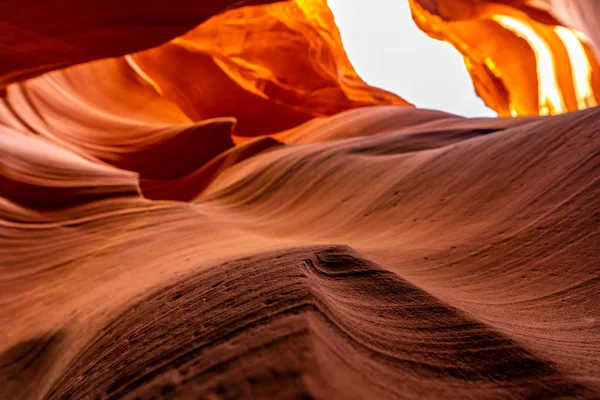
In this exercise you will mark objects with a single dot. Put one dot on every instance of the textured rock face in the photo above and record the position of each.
(223, 209)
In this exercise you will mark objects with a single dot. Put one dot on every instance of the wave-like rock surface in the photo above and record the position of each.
(216, 219)
(299, 323)
(471, 272)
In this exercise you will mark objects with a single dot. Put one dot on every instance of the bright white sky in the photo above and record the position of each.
(388, 50)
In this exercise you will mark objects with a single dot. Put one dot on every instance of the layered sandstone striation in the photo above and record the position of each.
(210, 203)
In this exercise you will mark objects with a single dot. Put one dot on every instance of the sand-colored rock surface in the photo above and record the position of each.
(200, 220)
(452, 263)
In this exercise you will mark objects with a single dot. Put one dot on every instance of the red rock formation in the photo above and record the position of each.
(236, 214)
(522, 61)
(43, 36)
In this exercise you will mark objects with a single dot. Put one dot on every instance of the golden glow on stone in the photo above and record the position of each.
(580, 67)
(549, 93)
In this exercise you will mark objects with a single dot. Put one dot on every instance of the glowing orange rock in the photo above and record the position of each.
(169, 113)
(104, 112)
(288, 53)
(522, 61)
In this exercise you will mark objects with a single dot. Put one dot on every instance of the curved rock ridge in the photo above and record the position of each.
(201, 93)
(227, 211)
(474, 273)
(298, 329)
(38, 173)
(124, 123)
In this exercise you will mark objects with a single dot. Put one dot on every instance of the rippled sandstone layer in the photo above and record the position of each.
(224, 209)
